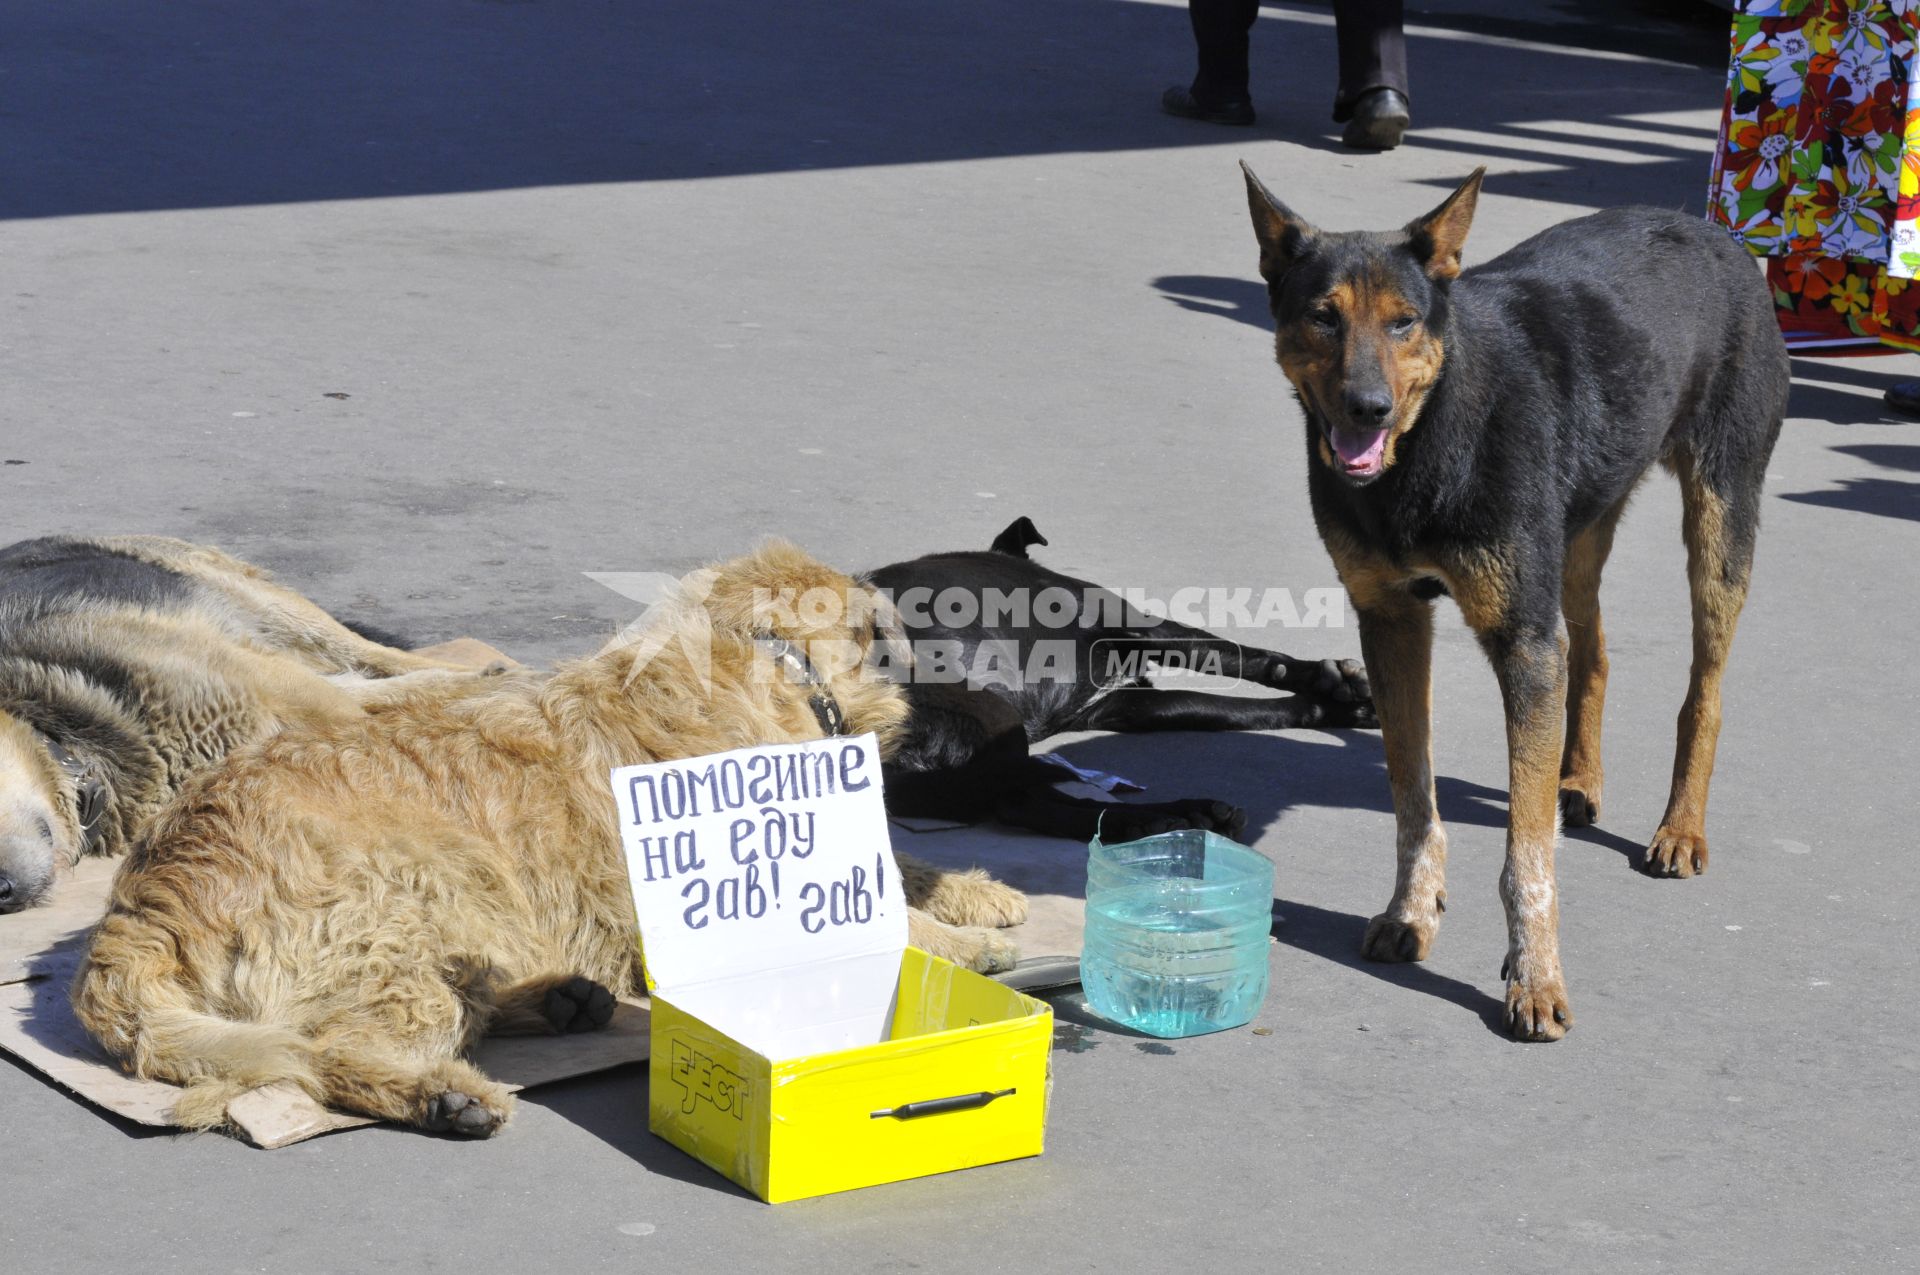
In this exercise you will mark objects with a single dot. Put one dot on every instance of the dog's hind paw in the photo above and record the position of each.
(578, 1005)
(470, 1117)
(1675, 854)
(1398, 940)
(969, 897)
(985, 951)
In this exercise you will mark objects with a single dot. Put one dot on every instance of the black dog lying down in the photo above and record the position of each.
(966, 752)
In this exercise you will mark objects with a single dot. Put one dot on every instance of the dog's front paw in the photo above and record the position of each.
(1398, 939)
(1675, 854)
(985, 951)
(1537, 1008)
(1579, 801)
(1120, 823)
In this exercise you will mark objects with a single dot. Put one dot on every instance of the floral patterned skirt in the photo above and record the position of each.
(1818, 167)
(1831, 306)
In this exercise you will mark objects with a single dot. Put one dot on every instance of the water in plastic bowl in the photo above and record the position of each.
(1177, 933)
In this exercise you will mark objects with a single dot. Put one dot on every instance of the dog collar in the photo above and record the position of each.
(826, 709)
(89, 792)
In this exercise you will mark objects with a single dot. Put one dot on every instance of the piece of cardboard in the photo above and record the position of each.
(768, 899)
(37, 1027)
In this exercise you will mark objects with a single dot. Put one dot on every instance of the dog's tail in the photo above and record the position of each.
(136, 994)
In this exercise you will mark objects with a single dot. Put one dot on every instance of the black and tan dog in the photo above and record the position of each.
(1479, 435)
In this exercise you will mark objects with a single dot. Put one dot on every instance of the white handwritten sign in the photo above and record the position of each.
(769, 902)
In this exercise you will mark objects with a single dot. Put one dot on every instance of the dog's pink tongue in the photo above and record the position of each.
(1359, 449)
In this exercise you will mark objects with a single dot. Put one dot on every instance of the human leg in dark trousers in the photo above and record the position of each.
(1372, 98)
(1218, 93)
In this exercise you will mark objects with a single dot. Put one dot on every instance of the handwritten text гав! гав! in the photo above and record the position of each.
(735, 835)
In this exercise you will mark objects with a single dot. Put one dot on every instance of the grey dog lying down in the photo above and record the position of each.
(128, 664)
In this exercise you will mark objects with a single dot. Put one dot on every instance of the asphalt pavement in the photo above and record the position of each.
(434, 308)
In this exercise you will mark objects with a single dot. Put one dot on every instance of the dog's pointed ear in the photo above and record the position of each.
(1436, 239)
(1019, 534)
(1284, 236)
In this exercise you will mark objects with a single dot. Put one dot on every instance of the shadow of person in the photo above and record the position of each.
(1887, 497)
(1901, 456)
(1848, 372)
(1243, 300)
(1814, 402)
(124, 107)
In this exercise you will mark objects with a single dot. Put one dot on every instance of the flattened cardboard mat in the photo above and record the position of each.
(40, 951)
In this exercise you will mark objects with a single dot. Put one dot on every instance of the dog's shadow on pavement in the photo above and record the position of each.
(1335, 936)
(1269, 773)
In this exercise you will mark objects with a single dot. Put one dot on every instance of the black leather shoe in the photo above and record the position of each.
(1182, 102)
(1905, 397)
(1380, 120)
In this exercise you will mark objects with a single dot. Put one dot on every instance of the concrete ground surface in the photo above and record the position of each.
(434, 307)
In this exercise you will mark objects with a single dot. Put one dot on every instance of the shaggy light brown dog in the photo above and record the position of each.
(350, 907)
(128, 663)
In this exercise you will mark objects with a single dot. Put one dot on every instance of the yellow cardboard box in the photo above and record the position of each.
(961, 1081)
(800, 1047)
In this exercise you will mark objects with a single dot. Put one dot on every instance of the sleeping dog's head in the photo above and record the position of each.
(1360, 321)
(39, 832)
(776, 644)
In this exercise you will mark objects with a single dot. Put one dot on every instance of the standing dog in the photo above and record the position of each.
(965, 752)
(348, 906)
(129, 662)
(1479, 435)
